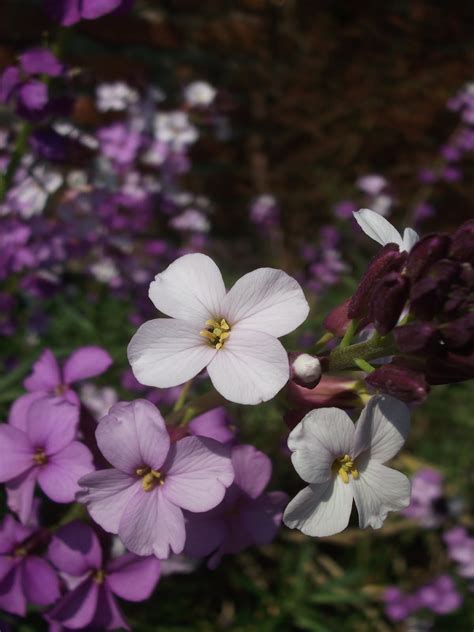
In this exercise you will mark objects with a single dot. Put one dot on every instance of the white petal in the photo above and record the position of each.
(166, 352)
(377, 491)
(266, 300)
(382, 428)
(320, 510)
(321, 437)
(191, 288)
(251, 367)
(377, 227)
(410, 237)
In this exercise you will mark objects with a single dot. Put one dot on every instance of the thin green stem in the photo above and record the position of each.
(197, 406)
(350, 332)
(364, 365)
(322, 342)
(182, 396)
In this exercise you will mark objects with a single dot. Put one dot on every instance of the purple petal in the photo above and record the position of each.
(12, 598)
(59, 477)
(19, 410)
(204, 534)
(38, 61)
(133, 435)
(66, 12)
(11, 533)
(9, 82)
(261, 518)
(75, 549)
(86, 362)
(200, 470)
(108, 615)
(20, 494)
(92, 9)
(46, 373)
(152, 525)
(133, 578)
(51, 425)
(106, 495)
(213, 424)
(77, 608)
(7, 562)
(17, 452)
(252, 468)
(40, 582)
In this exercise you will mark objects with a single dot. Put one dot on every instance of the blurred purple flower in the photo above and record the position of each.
(461, 550)
(440, 596)
(426, 489)
(344, 209)
(68, 12)
(41, 61)
(94, 584)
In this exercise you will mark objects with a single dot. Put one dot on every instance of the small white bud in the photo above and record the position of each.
(306, 370)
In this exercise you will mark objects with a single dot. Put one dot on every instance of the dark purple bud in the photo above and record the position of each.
(450, 368)
(402, 383)
(390, 296)
(428, 295)
(389, 259)
(416, 337)
(462, 247)
(40, 61)
(459, 333)
(338, 320)
(305, 369)
(427, 251)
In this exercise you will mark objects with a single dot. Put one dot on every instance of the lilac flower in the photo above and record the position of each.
(440, 596)
(68, 12)
(24, 576)
(142, 498)
(344, 209)
(264, 211)
(247, 516)
(119, 143)
(461, 550)
(382, 231)
(372, 184)
(199, 94)
(48, 380)
(43, 451)
(115, 96)
(214, 424)
(233, 334)
(175, 129)
(40, 61)
(426, 489)
(343, 465)
(98, 400)
(95, 584)
(398, 605)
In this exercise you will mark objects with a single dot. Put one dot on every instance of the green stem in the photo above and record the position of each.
(182, 396)
(343, 358)
(350, 331)
(364, 365)
(197, 406)
(322, 342)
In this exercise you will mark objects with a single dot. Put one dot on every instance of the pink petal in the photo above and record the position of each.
(77, 608)
(133, 578)
(40, 582)
(51, 425)
(191, 288)
(12, 597)
(20, 494)
(59, 477)
(252, 468)
(106, 495)
(86, 362)
(75, 549)
(152, 525)
(20, 407)
(16, 452)
(251, 367)
(133, 435)
(266, 300)
(165, 352)
(46, 373)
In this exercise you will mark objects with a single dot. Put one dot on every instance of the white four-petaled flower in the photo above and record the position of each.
(343, 463)
(381, 230)
(234, 334)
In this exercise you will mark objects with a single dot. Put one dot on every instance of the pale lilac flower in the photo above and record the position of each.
(116, 96)
(343, 463)
(440, 596)
(199, 94)
(461, 550)
(98, 400)
(214, 424)
(382, 204)
(247, 516)
(142, 498)
(175, 129)
(381, 230)
(24, 576)
(426, 490)
(49, 380)
(372, 184)
(44, 452)
(96, 583)
(233, 334)
(191, 219)
(398, 604)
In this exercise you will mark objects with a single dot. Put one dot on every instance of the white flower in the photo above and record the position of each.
(199, 93)
(234, 334)
(343, 463)
(98, 399)
(191, 219)
(175, 129)
(115, 96)
(382, 231)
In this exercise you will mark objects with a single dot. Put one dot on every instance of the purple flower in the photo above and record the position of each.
(142, 497)
(40, 61)
(214, 424)
(461, 550)
(76, 552)
(24, 577)
(119, 143)
(398, 605)
(43, 452)
(426, 490)
(440, 596)
(48, 380)
(245, 517)
(68, 12)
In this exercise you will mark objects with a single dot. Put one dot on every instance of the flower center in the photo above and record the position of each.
(150, 478)
(344, 466)
(60, 389)
(20, 551)
(40, 457)
(216, 332)
(99, 576)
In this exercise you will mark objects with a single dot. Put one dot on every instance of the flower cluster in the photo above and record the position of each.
(440, 596)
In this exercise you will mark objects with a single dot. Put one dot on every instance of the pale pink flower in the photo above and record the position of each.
(233, 334)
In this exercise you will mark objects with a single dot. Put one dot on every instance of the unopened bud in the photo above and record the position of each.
(305, 369)
(462, 246)
(424, 254)
(337, 321)
(389, 299)
(459, 333)
(332, 390)
(416, 337)
(400, 382)
(428, 294)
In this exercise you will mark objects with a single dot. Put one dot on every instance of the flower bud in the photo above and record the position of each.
(305, 369)
(459, 333)
(430, 292)
(416, 337)
(462, 246)
(337, 321)
(389, 298)
(332, 390)
(450, 368)
(389, 259)
(427, 251)
(400, 382)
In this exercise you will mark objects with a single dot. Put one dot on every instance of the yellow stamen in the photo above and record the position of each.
(217, 332)
(20, 551)
(344, 466)
(150, 478)
(40, 457)
(99, 576)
